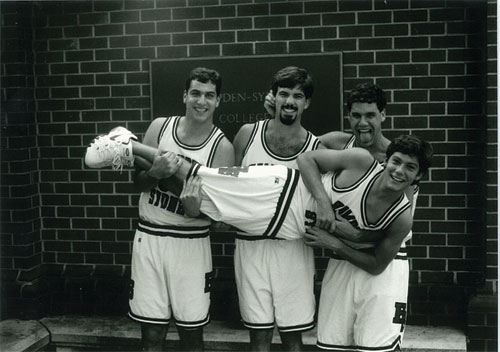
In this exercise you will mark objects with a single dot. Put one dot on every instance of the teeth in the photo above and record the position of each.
(397, 179)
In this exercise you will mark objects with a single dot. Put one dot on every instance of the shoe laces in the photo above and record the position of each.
(117, 159)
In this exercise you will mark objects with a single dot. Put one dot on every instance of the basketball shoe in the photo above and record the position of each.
(113, 149)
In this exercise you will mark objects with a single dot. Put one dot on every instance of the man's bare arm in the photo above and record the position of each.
(375, 262)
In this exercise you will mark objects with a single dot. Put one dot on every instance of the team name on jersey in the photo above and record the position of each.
(166, 201)
(339, 209)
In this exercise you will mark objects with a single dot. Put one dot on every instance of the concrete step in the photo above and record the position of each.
(82, 333)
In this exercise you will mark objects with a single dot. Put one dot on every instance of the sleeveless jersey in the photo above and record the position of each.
(351, 144)
(160, 211)
(257, 152)
(273, 201)
(350, 202)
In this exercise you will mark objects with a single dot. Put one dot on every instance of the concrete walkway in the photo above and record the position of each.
(77, 333)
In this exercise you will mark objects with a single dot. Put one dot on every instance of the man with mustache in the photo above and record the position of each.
(366, 107)
(275, 278)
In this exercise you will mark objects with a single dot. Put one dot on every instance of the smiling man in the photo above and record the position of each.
(275, 279)
(363, 296)
(364, 292)
(171, 256)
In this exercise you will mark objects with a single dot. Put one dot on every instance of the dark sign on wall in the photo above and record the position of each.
(245, 83)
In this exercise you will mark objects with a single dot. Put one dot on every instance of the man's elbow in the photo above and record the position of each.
(377, 269)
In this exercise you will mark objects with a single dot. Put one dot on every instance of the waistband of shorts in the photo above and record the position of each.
(401, 255)
(173, 230)
(244, 237)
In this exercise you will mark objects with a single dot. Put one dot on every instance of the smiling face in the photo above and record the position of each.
(201, 100)
(401, 170)
(366, 123)
(290, 104)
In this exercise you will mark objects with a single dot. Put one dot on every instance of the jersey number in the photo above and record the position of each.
(233, 170)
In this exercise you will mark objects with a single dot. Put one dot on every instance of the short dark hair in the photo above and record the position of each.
(291, 76)
(414, 146)
(367, 93)
(205, 75)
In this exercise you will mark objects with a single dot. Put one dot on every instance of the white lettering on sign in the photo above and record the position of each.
(242, 117)
(245, 97)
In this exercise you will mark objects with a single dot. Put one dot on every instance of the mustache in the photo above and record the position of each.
(289, 106)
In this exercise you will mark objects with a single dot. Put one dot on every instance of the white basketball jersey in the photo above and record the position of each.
(350, 202)
(159, 209)
(351, 144)
(258, 152)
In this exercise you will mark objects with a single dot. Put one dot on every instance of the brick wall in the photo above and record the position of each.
(90, 73)
(20, 195)
(492, 153)
(482, 317)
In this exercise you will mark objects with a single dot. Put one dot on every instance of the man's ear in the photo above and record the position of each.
(417, 179)
(382, 115)
(308, 102)
(184, 97)
(218, 101)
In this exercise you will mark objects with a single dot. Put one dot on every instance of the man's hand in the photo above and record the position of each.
(345, 230)
(270, 103)
(316, 237)
(191, 196)
(165, 164)
(325, 217)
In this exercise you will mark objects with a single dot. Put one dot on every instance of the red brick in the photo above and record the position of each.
(253, 10)
(270, 48)
(338, 19)
(355, 31)
(339, 45)
(286, 34)
(237, 49)
(236, 23)
(270, 22)
(219, 37)
(359, 5)
(203, 25)
(253, 35)
(309, 46)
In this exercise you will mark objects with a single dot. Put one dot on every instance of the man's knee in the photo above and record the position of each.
(191, 339)
(292, 340)
(261, 339)
(153, 336)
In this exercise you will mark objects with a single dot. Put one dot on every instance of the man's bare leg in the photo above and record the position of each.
(167, 163)
(292, 341)
(261, 339)
(190, 339)
(153, 336)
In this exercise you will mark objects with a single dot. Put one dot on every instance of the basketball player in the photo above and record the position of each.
(275, 278)
(342, 325)
(366, 107)
(273, 201)
(171, 257)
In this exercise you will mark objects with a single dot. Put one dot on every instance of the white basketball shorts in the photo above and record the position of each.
(362, 312)
(275, 281)
(171, 278)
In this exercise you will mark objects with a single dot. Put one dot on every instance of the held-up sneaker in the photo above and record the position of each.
(113, 149)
